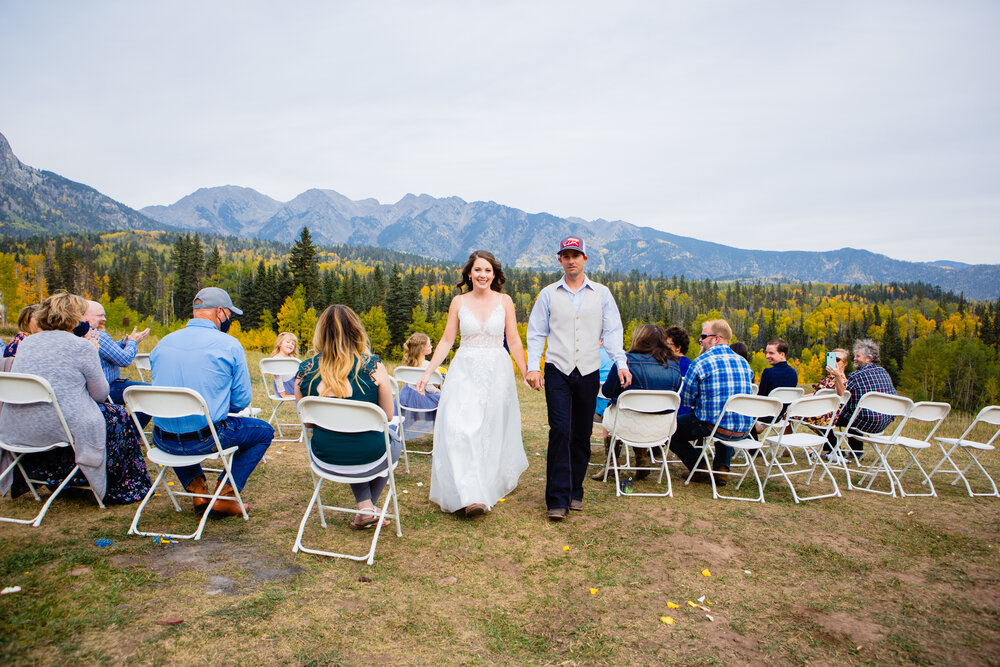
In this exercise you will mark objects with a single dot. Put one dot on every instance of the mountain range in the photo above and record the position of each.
(41, 202)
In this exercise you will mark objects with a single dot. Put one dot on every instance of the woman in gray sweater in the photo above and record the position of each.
(107, 446)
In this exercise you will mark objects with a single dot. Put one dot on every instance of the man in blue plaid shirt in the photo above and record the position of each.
(114, 355)
(867, 376)
(713, 377)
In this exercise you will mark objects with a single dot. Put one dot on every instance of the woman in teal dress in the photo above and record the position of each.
(344, 368)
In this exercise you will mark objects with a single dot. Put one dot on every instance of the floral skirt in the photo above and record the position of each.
(128, 479)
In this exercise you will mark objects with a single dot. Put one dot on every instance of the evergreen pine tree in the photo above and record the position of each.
(302, 264)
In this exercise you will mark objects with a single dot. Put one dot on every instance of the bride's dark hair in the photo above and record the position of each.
(498, 277)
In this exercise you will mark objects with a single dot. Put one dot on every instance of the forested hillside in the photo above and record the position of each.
(936, 344)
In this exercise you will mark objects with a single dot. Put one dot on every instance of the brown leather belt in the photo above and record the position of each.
(729, 434)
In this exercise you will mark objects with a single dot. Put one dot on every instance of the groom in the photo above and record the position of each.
(574, 314)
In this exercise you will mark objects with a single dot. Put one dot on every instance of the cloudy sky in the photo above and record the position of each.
(782, 125)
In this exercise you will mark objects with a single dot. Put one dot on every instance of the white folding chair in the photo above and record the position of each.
(22, 389)
(808, 439)
(786, 395)
(141, 363)
(345, 416)
(411, 375)
(931, 415)
(748, 406)
(974, 449)
(886, 404)
(170, 403)
(642, 419)
(270, 369)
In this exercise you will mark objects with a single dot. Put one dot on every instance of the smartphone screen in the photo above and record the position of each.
(831, 359)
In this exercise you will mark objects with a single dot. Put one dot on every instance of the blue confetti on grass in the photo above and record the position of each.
(103, 542)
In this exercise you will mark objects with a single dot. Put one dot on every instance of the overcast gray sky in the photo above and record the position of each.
(782, 125)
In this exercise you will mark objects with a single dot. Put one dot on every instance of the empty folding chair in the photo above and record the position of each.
(750, 406)
(272, 371)
(806, 437)
(642, 419)
(843, 456)
(170, 403)
(22, 389)
(141, 363)
(974, 449)
(930, 415)
(346, 416)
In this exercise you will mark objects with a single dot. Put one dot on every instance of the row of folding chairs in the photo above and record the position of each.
(646, 419)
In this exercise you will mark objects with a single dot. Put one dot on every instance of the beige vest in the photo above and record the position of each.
(575, 337)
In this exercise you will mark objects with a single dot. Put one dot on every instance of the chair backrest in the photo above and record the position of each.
(988, 415)
(24, 388)
(412, 375)
(787, 394)
(808, 407)
(886, 404)
(272, 366)
(927, 411)
(824, 391)
(649, 400)
(341, 414)
(166, 402)
(753, 406)
(141, 362)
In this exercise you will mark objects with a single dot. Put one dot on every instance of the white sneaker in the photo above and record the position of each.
(835, 457)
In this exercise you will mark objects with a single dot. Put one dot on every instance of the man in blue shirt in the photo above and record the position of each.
(712, 378)
(203, 357)
(114, 355)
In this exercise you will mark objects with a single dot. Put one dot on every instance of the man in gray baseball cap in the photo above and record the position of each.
(203, 357)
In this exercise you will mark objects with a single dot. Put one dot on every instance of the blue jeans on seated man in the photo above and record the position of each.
(117, 389)
(251, 436)
(690, 428)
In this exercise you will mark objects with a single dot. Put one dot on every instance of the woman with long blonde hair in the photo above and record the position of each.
(345, 368)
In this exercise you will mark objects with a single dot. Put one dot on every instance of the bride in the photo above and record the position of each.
(478, 453)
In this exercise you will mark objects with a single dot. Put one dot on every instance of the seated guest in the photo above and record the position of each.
(115, 355)
(741, 349)
(415, 351)
(203, 357)
(107, 446)
(868, 376)
(652, 365)
(26, 325)
(780, 374)
(713, 377)
(678, 341)
(286, 346)
(344, 368)
(829, 382)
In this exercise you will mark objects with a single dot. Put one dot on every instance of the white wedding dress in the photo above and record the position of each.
(478, 454)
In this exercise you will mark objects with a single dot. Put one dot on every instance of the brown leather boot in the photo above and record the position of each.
(197, 485)
(226, 505)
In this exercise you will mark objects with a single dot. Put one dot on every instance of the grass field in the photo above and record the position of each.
(862, 579)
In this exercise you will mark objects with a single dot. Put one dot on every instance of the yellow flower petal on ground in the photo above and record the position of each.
(170, 483)
(692, 604)
(566, 548)
(673, 605)
(502, 500)
(706, 573)
(593, 591)
(667, 619)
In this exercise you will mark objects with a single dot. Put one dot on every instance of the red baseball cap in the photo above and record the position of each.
(573, 243)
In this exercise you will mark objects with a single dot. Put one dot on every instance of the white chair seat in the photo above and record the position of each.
(973, 450)
(33, 449)
(805, 436)
(912, 443)
(162, 458)
(800, 439)
(982, 446)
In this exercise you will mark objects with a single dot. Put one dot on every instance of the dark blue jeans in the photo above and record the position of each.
(690, 428)
(570, 400)
(251, 436)
(118, 387)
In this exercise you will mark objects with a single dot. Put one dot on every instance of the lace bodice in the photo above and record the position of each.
(482, 334)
